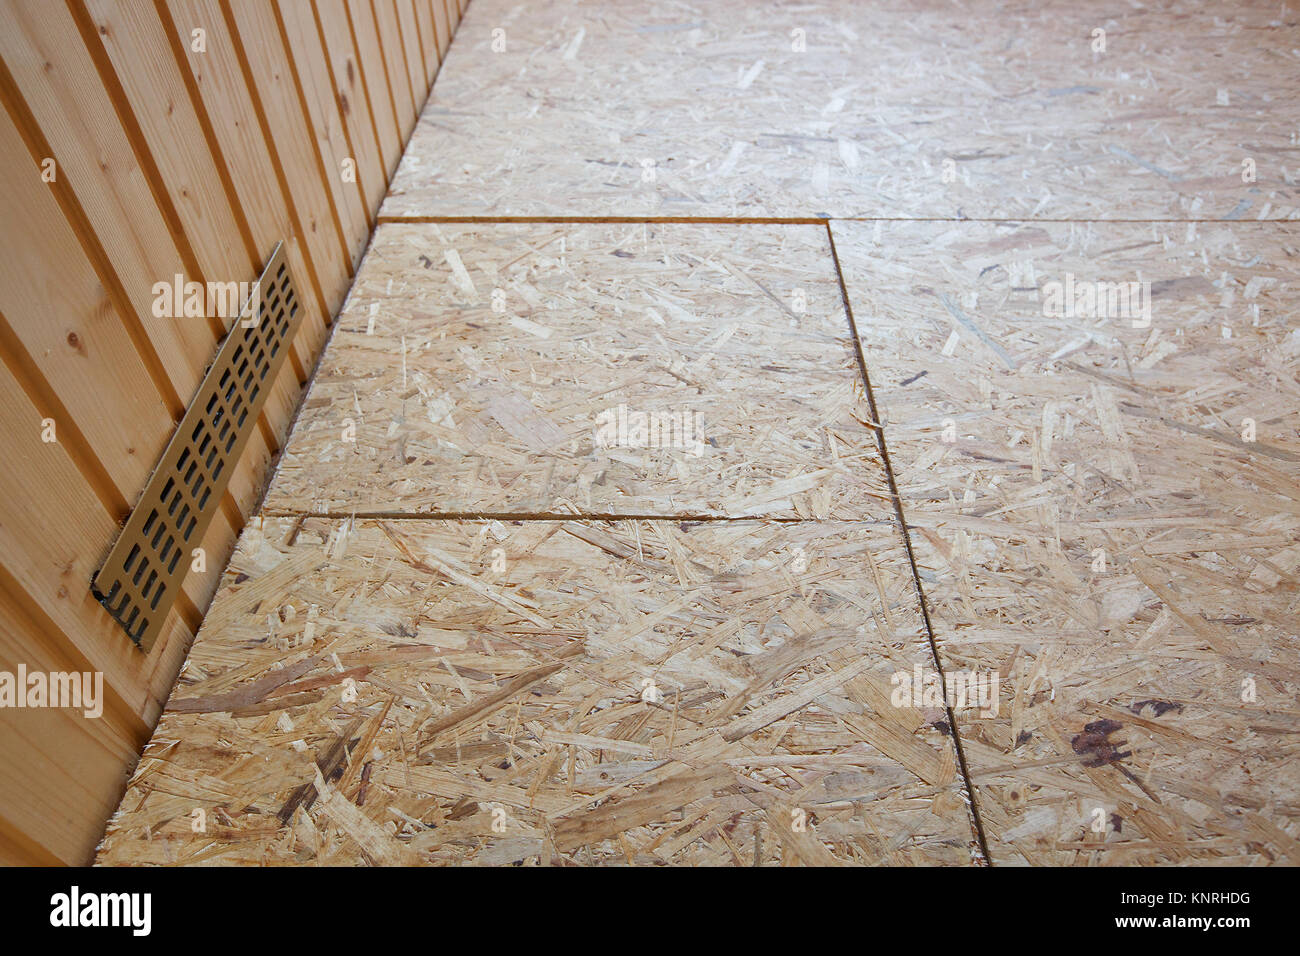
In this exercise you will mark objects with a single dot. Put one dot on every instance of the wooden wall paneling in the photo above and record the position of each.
(258, 184)
(60, 508)
(374, 79)
(17, 849)
(428, 40)
(132, 36)
(308, 61)
(252, 187)
(412, 51)
(155, 107)
(228, 108)
(50, 516)
(53, 88)
(234, 111)
(263, 56)
(91, 366)
(215, 240)
(51, 621)
(344, 85)
(72, 114)
(399, 80)
(63, 771)
(77, 355)
(442, 26)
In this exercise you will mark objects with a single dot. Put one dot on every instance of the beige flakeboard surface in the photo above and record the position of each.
(486, 692)
(1106, 510)
(1055, 110)
(598, 369)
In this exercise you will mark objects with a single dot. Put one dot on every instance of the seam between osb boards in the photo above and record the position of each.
(976, 822)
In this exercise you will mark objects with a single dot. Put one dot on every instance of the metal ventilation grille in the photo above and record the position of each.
(142, 576)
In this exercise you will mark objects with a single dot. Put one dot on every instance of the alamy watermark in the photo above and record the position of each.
(56, 689)
(966, 690)
(196, 300)
(629, 428)
(1087, 299)
(73, 909)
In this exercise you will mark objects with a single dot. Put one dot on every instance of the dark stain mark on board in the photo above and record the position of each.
(365, 782)
(1095, 745)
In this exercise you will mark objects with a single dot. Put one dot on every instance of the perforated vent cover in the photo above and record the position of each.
(142, 577)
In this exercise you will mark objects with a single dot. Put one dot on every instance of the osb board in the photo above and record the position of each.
(486, 692)
(477, 370)
(915, 109)
(1125, 691)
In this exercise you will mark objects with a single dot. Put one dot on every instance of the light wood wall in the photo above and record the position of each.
(166, 161)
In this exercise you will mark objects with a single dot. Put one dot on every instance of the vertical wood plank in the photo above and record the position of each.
(428, 40)
(215, 240)
(41, 262)
(259, 187)
(374, 76)
(75, 353)
(263, 58)
(411, 49)
(442, 25)
(62, 772)
(354, 104)
(321, 103)
(96, 167)
(49, 516)
(399, 80)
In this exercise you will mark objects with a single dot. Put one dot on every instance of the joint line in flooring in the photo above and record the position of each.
(911, 556)
(555, 516)
(809, 220)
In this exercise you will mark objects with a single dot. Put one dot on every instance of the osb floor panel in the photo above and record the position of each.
(473, 364)
(917, 109)
(491, 692)
(1155, 695)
